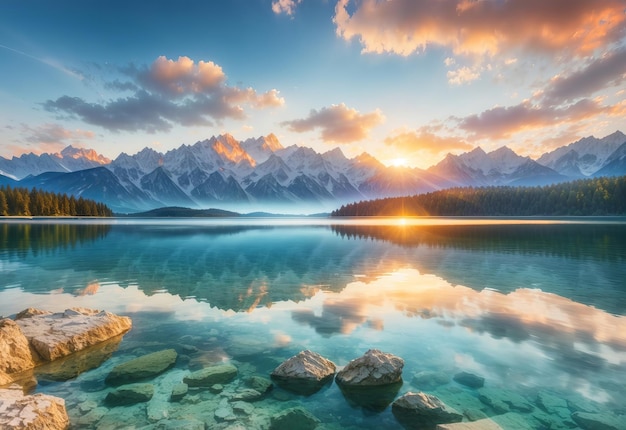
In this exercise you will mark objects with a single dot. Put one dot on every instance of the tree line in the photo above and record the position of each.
(583, 197)
(24, 202)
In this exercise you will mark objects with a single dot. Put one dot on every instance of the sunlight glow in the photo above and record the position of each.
(399, 162)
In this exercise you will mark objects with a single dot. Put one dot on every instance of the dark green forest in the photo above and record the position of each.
(583, 197)
(25, 202)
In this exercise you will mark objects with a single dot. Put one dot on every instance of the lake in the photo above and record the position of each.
(535, 307)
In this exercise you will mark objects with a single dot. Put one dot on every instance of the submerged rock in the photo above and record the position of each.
(372, 369)
(598, 421)
(147, 366)
(429, 379)
(130, 394)
(260, 384)
(304, 373)
(36, 411)
(469, 380)
(374, 398)
(502, 401)
(219, 374)
(178, 392)
(294, 418)
(423, 411)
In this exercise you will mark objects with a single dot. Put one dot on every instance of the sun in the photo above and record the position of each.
(399, 162)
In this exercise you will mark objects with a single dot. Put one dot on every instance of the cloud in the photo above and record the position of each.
(338, 123)
(166, 93)
(502, 122)
(424, 140)
(287, 7)
(471, 27)
(51, 138)
(462, 75)
(608, 70)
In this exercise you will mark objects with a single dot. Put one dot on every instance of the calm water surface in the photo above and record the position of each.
(537, 308)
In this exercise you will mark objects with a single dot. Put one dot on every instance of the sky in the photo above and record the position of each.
(407, 81)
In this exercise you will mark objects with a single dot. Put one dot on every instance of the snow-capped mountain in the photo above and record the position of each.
(584, 157)
(69, 159)
(261, 174)
(500, 167)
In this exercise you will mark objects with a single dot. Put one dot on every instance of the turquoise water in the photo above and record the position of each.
(535, 307)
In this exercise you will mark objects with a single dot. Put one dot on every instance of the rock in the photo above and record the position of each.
(512, 420)
(186, 424)
(374, 398)
(247, 395)
(130, 394)
(216, 388)
(502, 401)
(178, 392)
(429, 379)
(60, 334)
(469, 380)
(15, 353)
(242, 408)
(484, 424)
(553, 405)
(36, 411)
(144, 367)
(372, 369)
(219, 374)
(598, 421)
(225, 413)
(304, 373)
(260, 384)
(89, 419)
(423, 411)
(71, 366)
(294, 418)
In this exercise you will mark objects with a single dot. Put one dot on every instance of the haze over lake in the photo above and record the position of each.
(536, 307)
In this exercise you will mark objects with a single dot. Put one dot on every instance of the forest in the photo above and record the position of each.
(34, 202)
(582, 197)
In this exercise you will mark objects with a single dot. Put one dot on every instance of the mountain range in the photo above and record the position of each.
(262, 174)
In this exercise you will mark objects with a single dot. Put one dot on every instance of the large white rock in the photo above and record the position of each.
(15, 352)
(34, 412)
(55, 335)
(304, 373)
(374, 368)
(306, 365)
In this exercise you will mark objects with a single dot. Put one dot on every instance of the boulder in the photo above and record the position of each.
(374, 368)
(36, 411)
(598, 421)
(374, 398)
(304, 373)
(60, 334)
(130, 394)
(260, 384)
(219, 374)
(144, 367)
(423, 411)
(294, 418)
(15, 353)
(469, 380)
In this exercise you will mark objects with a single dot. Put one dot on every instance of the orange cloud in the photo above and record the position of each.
(287, 7)
(501, 122)
(424, 140)
(338, 123)
(572, 27)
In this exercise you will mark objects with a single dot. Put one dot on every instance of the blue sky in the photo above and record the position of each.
(405, 80)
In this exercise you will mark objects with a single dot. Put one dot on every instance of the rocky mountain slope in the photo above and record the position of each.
(261, 174)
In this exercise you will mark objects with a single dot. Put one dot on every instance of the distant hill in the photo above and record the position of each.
(583, 197)
(178, 212)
